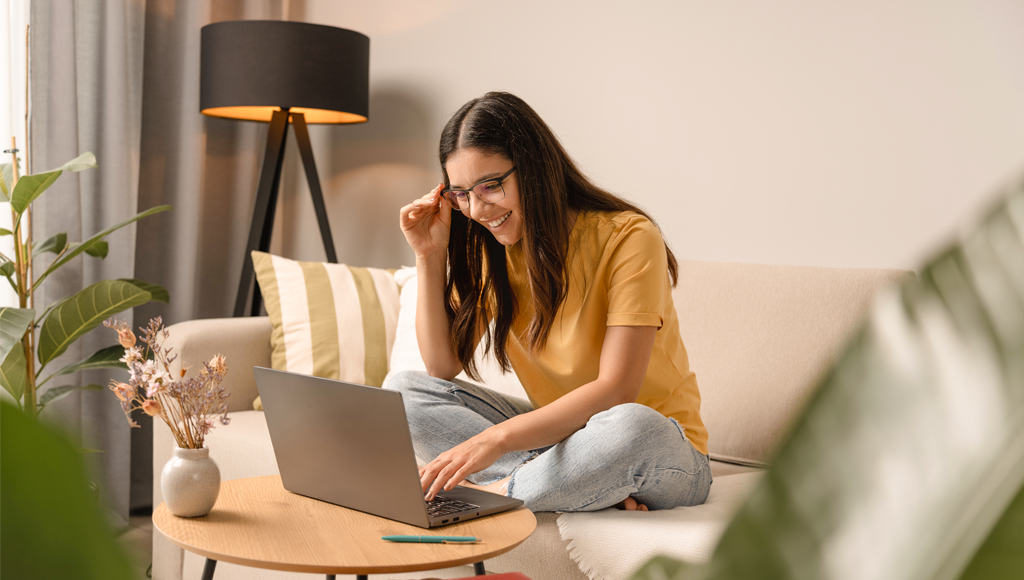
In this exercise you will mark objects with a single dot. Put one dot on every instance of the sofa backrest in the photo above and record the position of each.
(760, 338)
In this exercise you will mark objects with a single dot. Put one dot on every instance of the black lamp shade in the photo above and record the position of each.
(250, 68)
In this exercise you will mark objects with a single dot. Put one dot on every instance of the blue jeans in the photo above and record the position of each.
(628, 450)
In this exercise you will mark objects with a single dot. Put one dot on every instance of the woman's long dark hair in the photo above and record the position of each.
(551, 190)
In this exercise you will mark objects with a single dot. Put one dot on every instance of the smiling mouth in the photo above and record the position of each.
(498, 221)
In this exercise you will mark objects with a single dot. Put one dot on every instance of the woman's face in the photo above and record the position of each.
(504, 219)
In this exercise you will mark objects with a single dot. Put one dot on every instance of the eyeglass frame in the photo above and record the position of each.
(500, 180)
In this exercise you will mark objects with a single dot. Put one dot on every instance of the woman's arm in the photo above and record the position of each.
(426, 224)
(433, 330)
(624, 358)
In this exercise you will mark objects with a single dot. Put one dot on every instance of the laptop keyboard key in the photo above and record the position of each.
(442, 506)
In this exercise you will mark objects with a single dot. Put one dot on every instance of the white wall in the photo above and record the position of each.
(850, 134)
(13, 23)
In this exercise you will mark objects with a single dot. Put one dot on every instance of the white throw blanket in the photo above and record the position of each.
(611, 544)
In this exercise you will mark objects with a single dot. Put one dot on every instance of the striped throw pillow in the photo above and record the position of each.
(317, 311)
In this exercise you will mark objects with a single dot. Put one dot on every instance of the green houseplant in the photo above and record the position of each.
(31, 340)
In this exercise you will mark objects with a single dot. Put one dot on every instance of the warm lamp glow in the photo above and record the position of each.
(251, 68)
(264, 114)
(287, 74)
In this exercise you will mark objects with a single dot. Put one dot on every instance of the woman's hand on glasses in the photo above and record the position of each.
(426, 223)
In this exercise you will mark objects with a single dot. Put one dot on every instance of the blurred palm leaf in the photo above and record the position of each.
(52, 525)
(910, 456)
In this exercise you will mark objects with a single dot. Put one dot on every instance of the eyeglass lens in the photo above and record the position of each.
(487, 192)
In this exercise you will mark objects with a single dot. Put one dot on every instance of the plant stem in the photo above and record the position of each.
(22, 268)
(28, 262)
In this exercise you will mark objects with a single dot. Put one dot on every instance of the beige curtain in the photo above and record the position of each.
(120, 78)
(85, 87)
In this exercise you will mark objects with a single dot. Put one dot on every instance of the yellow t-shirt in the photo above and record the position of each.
(617, 272)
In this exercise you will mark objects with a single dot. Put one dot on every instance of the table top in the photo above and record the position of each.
(257, 523)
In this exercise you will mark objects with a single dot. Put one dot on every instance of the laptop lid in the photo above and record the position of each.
(350, 445)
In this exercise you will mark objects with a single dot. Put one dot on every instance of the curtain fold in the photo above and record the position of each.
(120, 78)
(86, 83)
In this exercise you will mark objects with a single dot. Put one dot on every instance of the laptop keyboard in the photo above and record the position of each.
(442, 506)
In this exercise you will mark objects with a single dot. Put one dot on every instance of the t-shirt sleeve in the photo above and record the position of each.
(637, 275)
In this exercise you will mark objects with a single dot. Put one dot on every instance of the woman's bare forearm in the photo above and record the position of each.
(433, 330)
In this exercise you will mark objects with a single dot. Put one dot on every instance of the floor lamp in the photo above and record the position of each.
(284, 73)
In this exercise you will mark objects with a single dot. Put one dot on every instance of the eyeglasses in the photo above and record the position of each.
(488, 191)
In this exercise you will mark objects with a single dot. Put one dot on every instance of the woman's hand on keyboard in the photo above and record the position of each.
(453, 466)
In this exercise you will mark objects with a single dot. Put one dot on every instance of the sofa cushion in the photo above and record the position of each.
(329, 320)
(405, 356)
(613, 543)
(759, 340)
(242, 448)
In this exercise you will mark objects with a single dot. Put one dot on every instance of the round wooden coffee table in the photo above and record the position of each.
(257, 523)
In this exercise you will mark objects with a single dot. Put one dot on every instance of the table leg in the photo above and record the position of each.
(208, 569)
(478, 569)
(330, 577)
(361, 577)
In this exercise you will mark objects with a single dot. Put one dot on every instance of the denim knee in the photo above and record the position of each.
(419, 386)
(404, 380)
(631, 429)
(630, 420)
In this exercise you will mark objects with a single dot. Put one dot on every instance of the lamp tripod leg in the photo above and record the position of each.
(263, 211)
(306, 149)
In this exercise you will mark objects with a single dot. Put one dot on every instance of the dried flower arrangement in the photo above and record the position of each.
(188, 406)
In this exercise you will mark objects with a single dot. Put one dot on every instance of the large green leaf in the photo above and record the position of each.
(159, 293)
(54, 244)
(84, 161)
(98, 250)
(84, 311)
(13, 324)
(30, 187)
(58, 393)
(13, 373)
(88, 243)
(907, 461)
(107, 358)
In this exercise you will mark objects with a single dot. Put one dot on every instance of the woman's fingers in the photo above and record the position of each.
(439, 481)
(456, 479)
(423, 207)
(447, 479)
(445, 472)
(445, 209)
(453, 466)
(433, 477)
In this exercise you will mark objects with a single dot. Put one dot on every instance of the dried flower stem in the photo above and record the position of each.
(185, 405)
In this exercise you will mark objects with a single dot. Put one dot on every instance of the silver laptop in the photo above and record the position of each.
(350, 445)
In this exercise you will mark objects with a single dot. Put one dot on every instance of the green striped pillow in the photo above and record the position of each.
(314, 308)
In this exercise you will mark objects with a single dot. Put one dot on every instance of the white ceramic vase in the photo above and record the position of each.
(190, 482)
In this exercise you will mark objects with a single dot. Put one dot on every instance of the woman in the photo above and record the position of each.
(577, 283)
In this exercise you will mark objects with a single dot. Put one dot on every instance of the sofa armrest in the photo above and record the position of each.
(245, 343)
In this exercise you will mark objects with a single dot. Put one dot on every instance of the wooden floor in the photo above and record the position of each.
(138, 543)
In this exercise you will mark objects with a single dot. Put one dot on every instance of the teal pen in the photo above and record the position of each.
(433, 539)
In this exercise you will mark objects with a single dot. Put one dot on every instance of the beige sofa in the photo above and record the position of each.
(759, 338)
